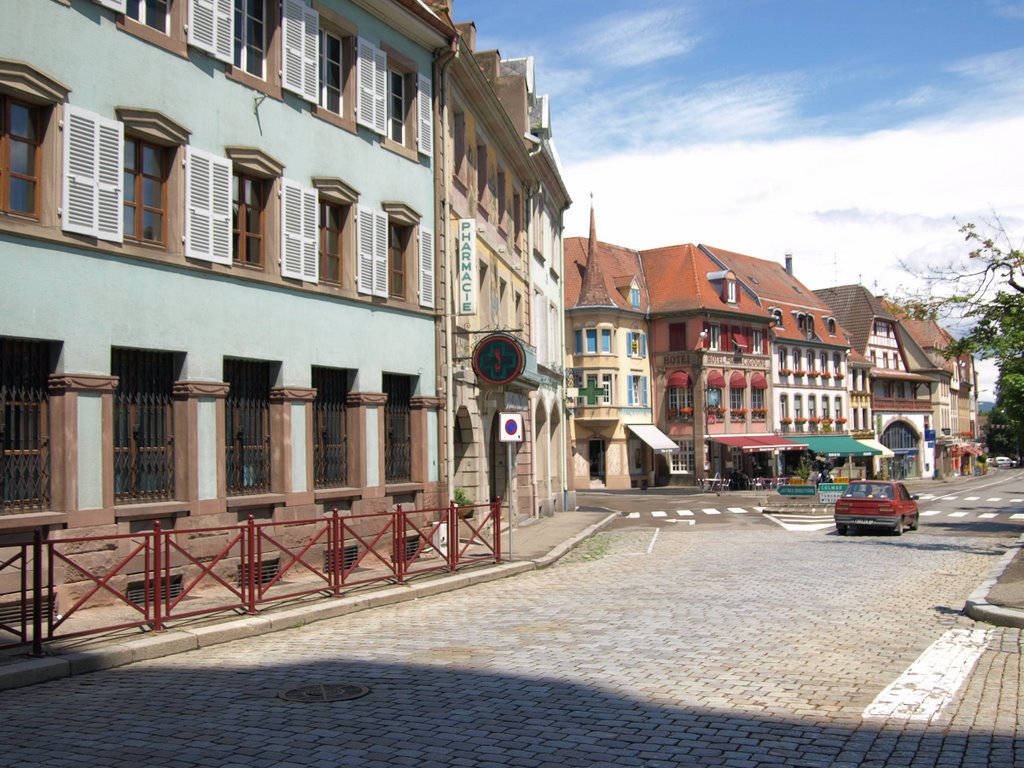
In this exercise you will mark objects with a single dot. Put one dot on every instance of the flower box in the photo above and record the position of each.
(840, 420)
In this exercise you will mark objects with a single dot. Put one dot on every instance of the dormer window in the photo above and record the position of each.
(730, 288)
(831, 324)
(777, 317)
(634, 296)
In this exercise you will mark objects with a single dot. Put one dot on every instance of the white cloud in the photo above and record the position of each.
(631, 39)
(850, 210)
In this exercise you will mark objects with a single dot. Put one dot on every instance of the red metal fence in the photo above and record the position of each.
(72, 587)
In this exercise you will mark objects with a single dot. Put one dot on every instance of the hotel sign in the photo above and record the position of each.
(467, 267)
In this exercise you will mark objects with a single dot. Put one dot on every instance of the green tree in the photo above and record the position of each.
(986, 297)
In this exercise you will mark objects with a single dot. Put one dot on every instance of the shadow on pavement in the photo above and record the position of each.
(418, 715)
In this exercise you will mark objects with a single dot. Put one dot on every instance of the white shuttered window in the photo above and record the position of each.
(93, 193)
(371, 82)
(372, 252)
(300, 222)
(424, 115)
(301, 50)
(211, 27)
(207, 207)
(426, 268)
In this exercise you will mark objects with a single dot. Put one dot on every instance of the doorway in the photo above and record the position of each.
(596, 451)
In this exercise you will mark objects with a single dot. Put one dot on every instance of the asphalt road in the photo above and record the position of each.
(642, 647)
(988, 506)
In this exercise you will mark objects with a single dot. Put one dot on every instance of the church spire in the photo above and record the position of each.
(593, 289)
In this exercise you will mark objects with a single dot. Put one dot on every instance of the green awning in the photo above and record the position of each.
(834, 445)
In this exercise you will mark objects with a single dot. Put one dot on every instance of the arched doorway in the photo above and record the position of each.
(903, 441)
(466, 456)
(542, 469)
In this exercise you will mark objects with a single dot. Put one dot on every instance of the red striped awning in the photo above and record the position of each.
(737, 380)
(678, 379)
(716, 379)
(758, 381)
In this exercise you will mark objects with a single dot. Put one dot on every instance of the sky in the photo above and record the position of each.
(857, 135)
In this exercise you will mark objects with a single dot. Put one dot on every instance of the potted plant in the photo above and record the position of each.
(840, 420)
(461, 499)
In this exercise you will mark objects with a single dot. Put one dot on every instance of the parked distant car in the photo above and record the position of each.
(876, 504)
(1004, 462)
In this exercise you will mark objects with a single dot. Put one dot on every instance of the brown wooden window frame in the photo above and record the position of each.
(137, 182)
(334, 219)
(400, 239)
(240, 209)
(7, 141)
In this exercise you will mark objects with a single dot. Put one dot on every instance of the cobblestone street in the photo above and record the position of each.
(638, 649)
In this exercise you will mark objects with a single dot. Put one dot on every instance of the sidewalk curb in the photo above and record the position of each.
(979, 608)
(30, 671)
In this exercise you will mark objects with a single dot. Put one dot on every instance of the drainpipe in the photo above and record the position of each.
(442, 62)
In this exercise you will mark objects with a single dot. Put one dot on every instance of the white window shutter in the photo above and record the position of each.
(207, 207)
(364, 250)
(110, 192)
(210, 27)
(299, 224)
(311, 234)
(371, 83)
(426, 270)
(380, 254)
(425, 115)
(114, 5)
(92, 192)
(300, 43)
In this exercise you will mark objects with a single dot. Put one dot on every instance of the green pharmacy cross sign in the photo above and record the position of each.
(499, 359)
(592, 391)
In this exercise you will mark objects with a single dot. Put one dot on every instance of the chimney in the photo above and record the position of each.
(789, 264)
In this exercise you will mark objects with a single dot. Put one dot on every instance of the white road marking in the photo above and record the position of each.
(633, 516)
(654, 538)
(987, 515)
(1017, 516)
(659, 513)
(738, 510)
(932, 681)
(958, 514)
(802, 522)
(931, 512)
(1016, 501)
(972, 498)
(994, 498)
(710, 511)
(684, 512)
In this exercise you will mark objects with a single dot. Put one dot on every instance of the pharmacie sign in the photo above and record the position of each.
(467, 267)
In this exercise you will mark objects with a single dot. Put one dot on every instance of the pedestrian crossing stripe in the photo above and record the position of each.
(803, 520)
(972, 498)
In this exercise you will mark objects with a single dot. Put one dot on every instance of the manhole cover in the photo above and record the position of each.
(325, 692)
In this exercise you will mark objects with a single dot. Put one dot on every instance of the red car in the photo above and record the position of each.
(876, 504)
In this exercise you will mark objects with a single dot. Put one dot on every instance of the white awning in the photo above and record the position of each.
(886, 452)
(654, 437)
